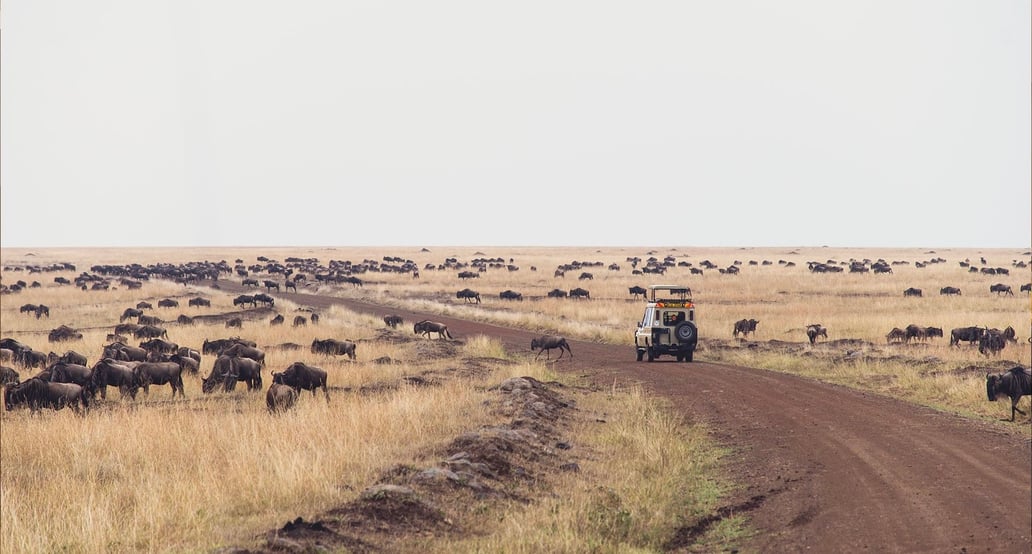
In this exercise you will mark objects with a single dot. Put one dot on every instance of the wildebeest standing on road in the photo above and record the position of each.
(426, 327)
(547, 343)
(1014, 383)
(392, 320)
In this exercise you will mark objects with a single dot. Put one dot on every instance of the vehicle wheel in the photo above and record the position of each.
(641, 355)
(685, 331)
(652, 355)
(688, 357)
(680, 358)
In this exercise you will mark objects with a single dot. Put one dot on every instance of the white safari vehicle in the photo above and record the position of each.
(668, 327)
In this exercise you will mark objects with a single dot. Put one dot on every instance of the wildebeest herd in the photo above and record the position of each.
(130, 368)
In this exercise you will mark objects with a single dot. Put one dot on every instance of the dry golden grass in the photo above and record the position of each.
(190, 475)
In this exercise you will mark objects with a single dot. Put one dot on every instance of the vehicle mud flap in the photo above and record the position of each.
(640, 354)
(651, 354)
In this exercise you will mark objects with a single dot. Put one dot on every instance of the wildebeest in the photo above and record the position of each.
(949, 291)
(229, 370)
(287, 285)
(392, 320)
(300, 321)
(314, 319)
(896, 335)
(64, 333)
(125, 353)
(510, 295)
(1015, 383)
(160, 346)
(150, 332)
(468, 295)
(246, 351)
(921, 333)
(217, 346)
(111, 373)
(1000, 288)
(426, 327)
(145, 319)
(28, 308)
(245, 299)
(129, 313)
(200, 302)
(184, 319)
(969, 334)
(42, 310)
(234, 322)
(815, 330)
(72, 357)
(142, 305)
(8, 376)
(991, 342)
(580, 293)
(1027, 287)
(637, 291)
(269, 285)
(585, 275)
(557, 293)
(38, 394)
(168, 303)
(280, 397)
(912, 292)
(547, 342)
(264, 299)
(70, 373)
(146, 374)
(300, 376)
(250, 283)
(278, 320)
(744, 326)
(334, 347)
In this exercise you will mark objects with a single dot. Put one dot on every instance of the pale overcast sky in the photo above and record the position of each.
(646, 123)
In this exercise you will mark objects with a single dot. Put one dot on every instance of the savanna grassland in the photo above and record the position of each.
(210, 470)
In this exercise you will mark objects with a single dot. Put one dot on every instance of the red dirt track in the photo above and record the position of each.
(823, 468)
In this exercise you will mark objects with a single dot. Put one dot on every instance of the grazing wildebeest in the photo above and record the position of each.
(300, 321)
(557, 293)
(146, 374)
(168, 303)
(30, 358)
(235, 322)
(585, 275)
(949, 291)
(991, 342)
(38, 394)
(334, 347)
(28, 308)
(392, 320)
(315, 319)
(426, 327)
(128, 313)
(278, 320)
(188, 364)
(300, 376)
(637, 291)
(264, 299)
(547, 342)
(510, 295)
(280, 397)
(896, 335)
(815, 330)
(579, 293)
(72, 357)
(969, 334)
(468, 295)
(200, 302)
(144, 305)
(917, 332)
(150, 332)
(229, 370)
(744, 326)
(126, 328)
(111, 373)
(290, 285)
(184, 319)
(217, 346)
(1000, 288)
(1015, 383)
(245, 299)
(8, 376)
(912, 292)
(250, 283)
(269, 285)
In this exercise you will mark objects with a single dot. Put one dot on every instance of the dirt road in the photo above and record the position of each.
(823, 468)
